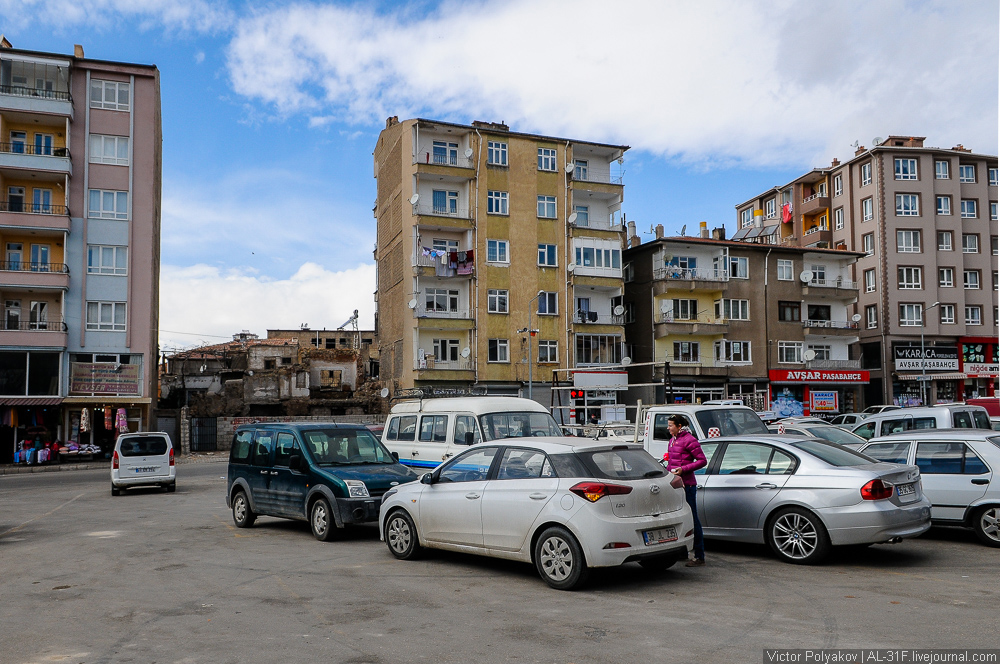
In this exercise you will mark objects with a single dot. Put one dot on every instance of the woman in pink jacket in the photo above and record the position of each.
(684, 456)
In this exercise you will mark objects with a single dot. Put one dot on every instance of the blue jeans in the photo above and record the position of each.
(691, 493)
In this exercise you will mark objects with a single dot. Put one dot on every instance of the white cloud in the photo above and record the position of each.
(209, 305)
(716, 81)
(194, 15)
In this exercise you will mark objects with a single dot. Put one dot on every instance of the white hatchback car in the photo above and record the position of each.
(564, 504)
(143, 459)
(956, 470)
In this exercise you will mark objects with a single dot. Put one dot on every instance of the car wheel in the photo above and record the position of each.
(171, 487)
(797, 536)
(321, 520)
(401, 536)
(985, 524)
(658, 563)
(559, 559)
(243, 516)
(115, 491)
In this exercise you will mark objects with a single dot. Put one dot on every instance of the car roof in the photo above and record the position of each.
(303, 425)
(561, 444)
(477, 405)
(950, 434)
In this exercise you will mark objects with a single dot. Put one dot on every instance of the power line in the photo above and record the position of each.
(198, 334)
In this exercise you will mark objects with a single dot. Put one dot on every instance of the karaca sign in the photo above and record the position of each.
(817, 376)
(935, 358)
(103, 378)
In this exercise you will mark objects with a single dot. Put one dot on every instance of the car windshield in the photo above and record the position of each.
(731, 421)
(995, 440)
(144, 446)
(342, 447)
(518, 425)
(833, 454)
(836, 435)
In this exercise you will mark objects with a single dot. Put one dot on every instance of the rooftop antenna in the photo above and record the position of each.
(684, 229)
(855, 144)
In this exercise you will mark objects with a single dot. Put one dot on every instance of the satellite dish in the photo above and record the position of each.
(414, 198)
(809, 355)
(384, 393)
(878, 140)
(621, 160)
(626, 361)
(569, 168)
(571, 267)
(572, 218)
(412, 304)
(619, 310)
(669, 257)
(684, 229)
(468, 153)
(805, 276)
(466, 352)
(856, 317)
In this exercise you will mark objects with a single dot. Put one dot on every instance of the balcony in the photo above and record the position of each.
(35, 158)
(667, 324)
(814, 204)
(594, 318)
(668, 278)
(829, 328)
(432, 368)
(431, 266)
(836, 288)
(704, 367)
(51, 333)
(34, 275)
(34, 215)
(422, 311)
(22, 98)
(833, 364)
(587, 175)
(453, 168)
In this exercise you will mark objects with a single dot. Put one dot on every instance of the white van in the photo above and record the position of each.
(426, 432)
(945, 416)
(704, 420)
(143, 459)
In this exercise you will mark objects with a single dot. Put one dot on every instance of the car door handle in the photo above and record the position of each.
(263, 472)
(414, 453)
(766, 485)
(472, 496)
(274, 472)
(538, 496)
(446, 455)
(980, 481)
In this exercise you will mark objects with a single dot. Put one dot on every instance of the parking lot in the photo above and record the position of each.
(156, 577)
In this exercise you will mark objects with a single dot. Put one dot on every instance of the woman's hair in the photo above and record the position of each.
(679, 420)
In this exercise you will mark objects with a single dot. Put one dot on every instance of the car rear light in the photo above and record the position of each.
(114, 460)
(171, 456)
(594, 491)
(689, 533)
(877, 490)
(617, 545)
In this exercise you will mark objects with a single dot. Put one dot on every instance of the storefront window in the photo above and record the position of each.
(947, 391)
(24, 373)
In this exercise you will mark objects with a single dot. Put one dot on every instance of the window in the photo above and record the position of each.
(974, 315)
(785, 270)
(996, 316)
(548, 304)
(994, 244)
(445, 202)
(496, 251)
(946, 277)
(789, 351)
(496, 301)
(949, 458)
(685, 309)
(496, 202)
(733, 309)
(770, 208)
(970, 243)
(969, 210)
(746, 218)
(498, 351)
(546, 159)
(941, 171)
(444, 244)
(838, 185)
(944, 240)
(598, 349)
(906, 169)
(470, 466)
(966, 173)
(909, 278)
(109, 150)
(869, 281)
(871, 316)
(445, 350)
(867, 210)
(580, 169)
(789, 311)
(911, 315)
(908, 242)
(547, 255)
(582, 213)
(838, 219)
(548, 351)
(433, 429)
(547, 207)
(971, 279)
(993, 210)
(738, 268)
(819, 273)
(823, 351)
(108, 204)
(732, 351)
(445, 152)
(687, 351)
(598, 257)
(112, 95)
(947, 314)
(996, 280)
(106, 316)
(868, 243)
(496, 153)
(944, 205)
(107, 259)
(907, 205)
(993, 177)
(440, 300)
(866, 174)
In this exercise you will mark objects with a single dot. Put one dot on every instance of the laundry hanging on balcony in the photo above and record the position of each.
(786, 213)
(466, 260)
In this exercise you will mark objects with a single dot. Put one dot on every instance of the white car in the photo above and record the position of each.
(956, 469)
(143, 459)
(848, 420)
(564, 504)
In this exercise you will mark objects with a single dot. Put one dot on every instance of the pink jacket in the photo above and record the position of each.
(685, 453)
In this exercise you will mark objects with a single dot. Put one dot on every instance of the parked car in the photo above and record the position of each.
(881, 408)
(802, 496)
(824, 431)
(143, 459)
(803, 419)
(956, 470)
(848, 420)
(704, 420)
(951, 416)
(564, 504)
(330, 474)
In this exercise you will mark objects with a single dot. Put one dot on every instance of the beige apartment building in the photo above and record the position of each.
(925, 220)
(483, 234)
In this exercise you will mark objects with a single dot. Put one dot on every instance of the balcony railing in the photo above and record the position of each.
(690, 274)
(442, 211)
(822, 194)
(594, 318)
(55, 325)
(431, 363)
(609, 223)
(833, 283)
(831, 324)
(676, 364)
(816, 229)
(432, 261)
(28, 148)
(33, 208)
(425, 312)
(833, 364)
(600, 178)
(704, 319)
(442, 160)
(21, 91)
(25, 266)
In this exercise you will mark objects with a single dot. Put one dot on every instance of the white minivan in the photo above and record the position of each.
(425, 432)
(143, 459)
(944, 416)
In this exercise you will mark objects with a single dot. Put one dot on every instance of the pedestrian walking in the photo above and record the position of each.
(684, 456)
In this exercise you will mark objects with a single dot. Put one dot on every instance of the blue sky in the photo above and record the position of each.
(271, 112)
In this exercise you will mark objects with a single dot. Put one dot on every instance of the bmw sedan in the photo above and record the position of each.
(804, 495)
(828, 432)
(563, 504)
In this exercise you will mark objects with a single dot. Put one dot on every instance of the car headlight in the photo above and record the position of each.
(356, 489)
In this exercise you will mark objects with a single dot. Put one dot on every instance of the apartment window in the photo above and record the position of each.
(970, 243)
(629, 312)
(746, 218)
(498, 350)
(770, 208)
(445, 152)
(109, 150)
(496, 251)
(838, 185)
(819, 273)
(685, 309)
(944, 205)
(944, 241)
(548, 351)
(941, 171)
(823, 351)
(974, 315)
(547, 255)
(993, 177)
(440, 300)
(687, 351)
(546, 159)
(906, 169)
(911, 315)
(598, 349)
(909, 278)
(112, 95)
(869, 281)
(444, 244)
(785, 270)
(867, 210)
(994, 244)
(969, 208)
(497, 202)
(108, 204)
(948, 314)
(106, 316)
(996, 316)
(580, 169)
(946, 277)
(907, 205)
(445, 202)
(735, 352)
(582, 213)
(908, 242)
(733, 309)
(446, 350)
(866, 174)
(971, 279)
(823, 225)
(871, 316)
(789, 351)
(548, 304)
(598, 257)
(996, 280)
(738, 268)
(496, 153)
(993, 210)
(496, 301)
(966, 173)
(789, 311)
(838, 219)
(547, 207)
(102, 259)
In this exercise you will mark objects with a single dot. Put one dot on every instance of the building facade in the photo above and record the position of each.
(926, 221)
(80, 165)
(485, 234)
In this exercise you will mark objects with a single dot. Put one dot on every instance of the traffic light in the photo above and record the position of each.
(576, 394)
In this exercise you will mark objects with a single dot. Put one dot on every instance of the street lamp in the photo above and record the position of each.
(530, 333)
(923, 353)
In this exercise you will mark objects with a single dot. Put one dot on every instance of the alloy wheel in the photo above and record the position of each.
(795, 535)
(399, 535)
(989, 520)
(320, 519)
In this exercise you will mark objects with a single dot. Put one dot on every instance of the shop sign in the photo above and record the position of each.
(600, 380)
(825, 402)
(935, 358)
(817, 376)
(982, 370)
(103, 378)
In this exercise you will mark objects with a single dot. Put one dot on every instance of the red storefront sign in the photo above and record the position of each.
(808, 376)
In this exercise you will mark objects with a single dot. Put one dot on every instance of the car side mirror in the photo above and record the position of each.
(295, 462)
(470, 437)
(395, 455)
(427, 478)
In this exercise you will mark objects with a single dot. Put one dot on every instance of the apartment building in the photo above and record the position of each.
(925, 219)
(485, 234)
(709, 318)
(80, 164)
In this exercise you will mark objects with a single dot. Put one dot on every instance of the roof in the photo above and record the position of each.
(303, 425)
(753, 246)
(74, 59)
(938, 434)
(562, 444)
(623, 148)
(217, 350)
(476, 405)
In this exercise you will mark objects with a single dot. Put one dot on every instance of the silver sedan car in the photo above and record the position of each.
(804, 495)
(825, 431)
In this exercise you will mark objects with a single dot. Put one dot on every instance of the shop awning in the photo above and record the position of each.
(933, 376)
(99, 400)
(31, 401)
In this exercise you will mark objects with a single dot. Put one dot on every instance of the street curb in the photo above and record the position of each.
(98, 465)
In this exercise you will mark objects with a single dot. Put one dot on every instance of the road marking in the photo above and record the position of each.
(51, 511)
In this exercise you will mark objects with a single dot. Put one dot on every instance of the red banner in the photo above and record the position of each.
(807, 376)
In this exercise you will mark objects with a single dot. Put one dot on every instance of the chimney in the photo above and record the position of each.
(634, 241)
(390, 121)
(78, 51)
(834, 163)
(719, 233)
(961, 148)
(758, 218)
(631, 230)
(859, 151)
(659, 231)
(703, 229)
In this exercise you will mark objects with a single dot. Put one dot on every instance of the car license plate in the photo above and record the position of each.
(145, 469)
(660, 535)
(906, 491)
